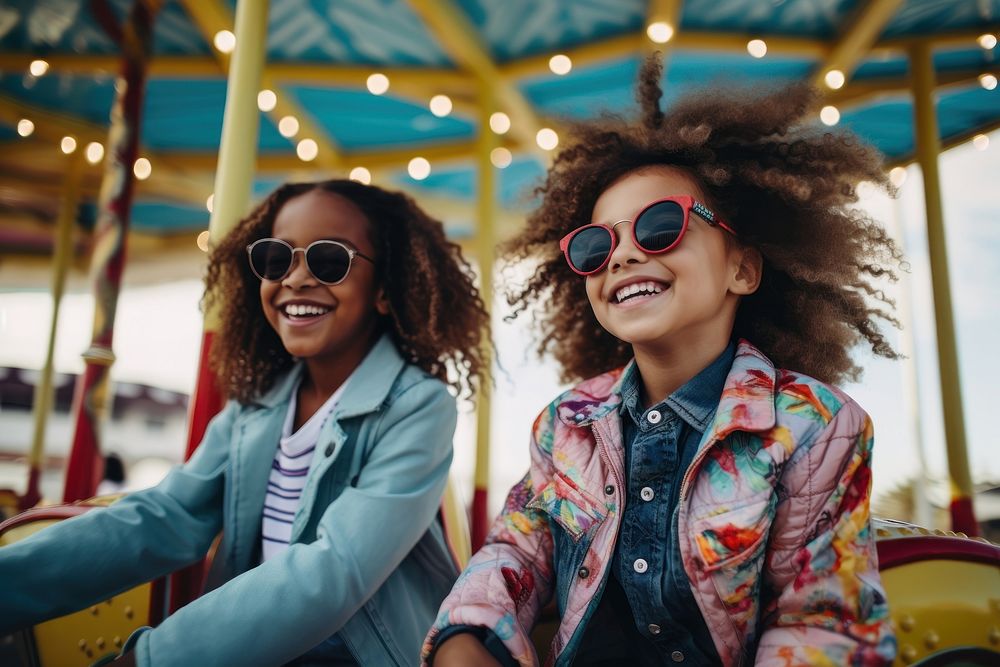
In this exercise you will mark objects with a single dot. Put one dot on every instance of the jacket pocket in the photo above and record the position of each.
(735, 535)
(568, 505)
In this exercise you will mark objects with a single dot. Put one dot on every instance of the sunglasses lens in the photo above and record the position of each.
(659, 226)
(329, 262)
(589, 249)
(270, 259)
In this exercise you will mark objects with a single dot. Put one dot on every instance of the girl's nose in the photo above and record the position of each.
(626, 252)
(299, 275)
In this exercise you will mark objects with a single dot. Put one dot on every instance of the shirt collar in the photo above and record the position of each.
(695, 401)
(370, 381)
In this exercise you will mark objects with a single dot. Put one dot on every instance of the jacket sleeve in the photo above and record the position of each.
(81, 561)
(828, 605)
(290, 603)
(510, 579)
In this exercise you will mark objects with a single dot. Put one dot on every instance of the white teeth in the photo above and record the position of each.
(303, 310)
(648, 287)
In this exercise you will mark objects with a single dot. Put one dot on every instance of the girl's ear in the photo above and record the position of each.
(749, 267)
(381, 302)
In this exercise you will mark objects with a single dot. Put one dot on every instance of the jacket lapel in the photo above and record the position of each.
(256, 436)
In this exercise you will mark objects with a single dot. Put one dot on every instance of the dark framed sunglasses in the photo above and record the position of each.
(329, 262)
(658, 228)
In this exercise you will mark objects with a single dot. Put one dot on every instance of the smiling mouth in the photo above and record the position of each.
(638, 290)
(301, 311)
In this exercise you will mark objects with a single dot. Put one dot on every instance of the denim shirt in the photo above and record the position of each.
(660, 443)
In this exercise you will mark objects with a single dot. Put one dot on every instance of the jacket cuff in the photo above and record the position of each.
(486, 636)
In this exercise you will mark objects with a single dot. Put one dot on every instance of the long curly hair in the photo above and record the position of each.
(784, 187)
(436, 317)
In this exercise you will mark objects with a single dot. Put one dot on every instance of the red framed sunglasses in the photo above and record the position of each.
(658, 228)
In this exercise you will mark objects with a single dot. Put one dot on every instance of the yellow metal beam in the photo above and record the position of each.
(51, 127)
(856, 40)
(947, 144)
(460, 40)
(858, 93)
(211, 16)
(928, 145)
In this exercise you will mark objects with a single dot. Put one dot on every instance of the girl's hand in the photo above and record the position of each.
(463, 650)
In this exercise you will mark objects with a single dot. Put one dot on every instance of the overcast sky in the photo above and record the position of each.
(158, 332)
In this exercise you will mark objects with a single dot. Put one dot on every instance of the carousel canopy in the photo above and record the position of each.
(364, 87)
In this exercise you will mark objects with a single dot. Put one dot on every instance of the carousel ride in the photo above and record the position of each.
(117, 107)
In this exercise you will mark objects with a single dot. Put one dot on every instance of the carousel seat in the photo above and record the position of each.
(944, 595)
(83, 637)
(80, 638)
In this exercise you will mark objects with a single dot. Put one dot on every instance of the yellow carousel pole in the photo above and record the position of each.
(233, 182)
(963, 517)
(485, 249)
(62, 255)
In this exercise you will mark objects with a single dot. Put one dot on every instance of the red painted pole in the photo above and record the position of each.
(86, 466)
(233, 180)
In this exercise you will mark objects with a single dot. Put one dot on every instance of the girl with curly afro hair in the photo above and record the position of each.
(346, 313)
(702, 495)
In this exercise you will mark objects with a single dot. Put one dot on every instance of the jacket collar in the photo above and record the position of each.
(370, 382)
(747, 402)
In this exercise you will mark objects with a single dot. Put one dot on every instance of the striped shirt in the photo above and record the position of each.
(289, 471)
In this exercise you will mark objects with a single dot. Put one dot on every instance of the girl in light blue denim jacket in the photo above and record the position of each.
(343, 307)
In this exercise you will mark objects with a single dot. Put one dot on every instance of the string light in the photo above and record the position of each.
(25, 127)
(94, 152)
(660, 32)
(38, 67)
(501, 157)
(560, 64)
(288, 126)
(266, 100)
(378, 84)
(987, 41)
(547, 139)
(499, 122)
(757, 48)
(67, 145)
(225, 41)
(897, 176)
(988, 81)
(203, 241)
(440, 105)
(419, 168)
(142, 169)
(834, 79)
(830, 115)
(210, 202)
(981, 142)
(307, 150)
(361, 175)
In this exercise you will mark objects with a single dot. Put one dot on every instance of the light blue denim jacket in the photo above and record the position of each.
(368, 558)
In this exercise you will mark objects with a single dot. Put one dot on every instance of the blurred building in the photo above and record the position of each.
(145, 424)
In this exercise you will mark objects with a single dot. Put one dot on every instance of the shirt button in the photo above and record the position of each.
(654, 629)
(609, 489)
(646, 494)
(640, 565)
(583, 572)
(677, 656)
(329, 450)
(654, 417)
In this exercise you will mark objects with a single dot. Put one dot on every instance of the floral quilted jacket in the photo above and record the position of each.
(773, 521)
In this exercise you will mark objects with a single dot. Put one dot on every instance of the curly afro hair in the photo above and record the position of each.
(785, 188)
(437, 319)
